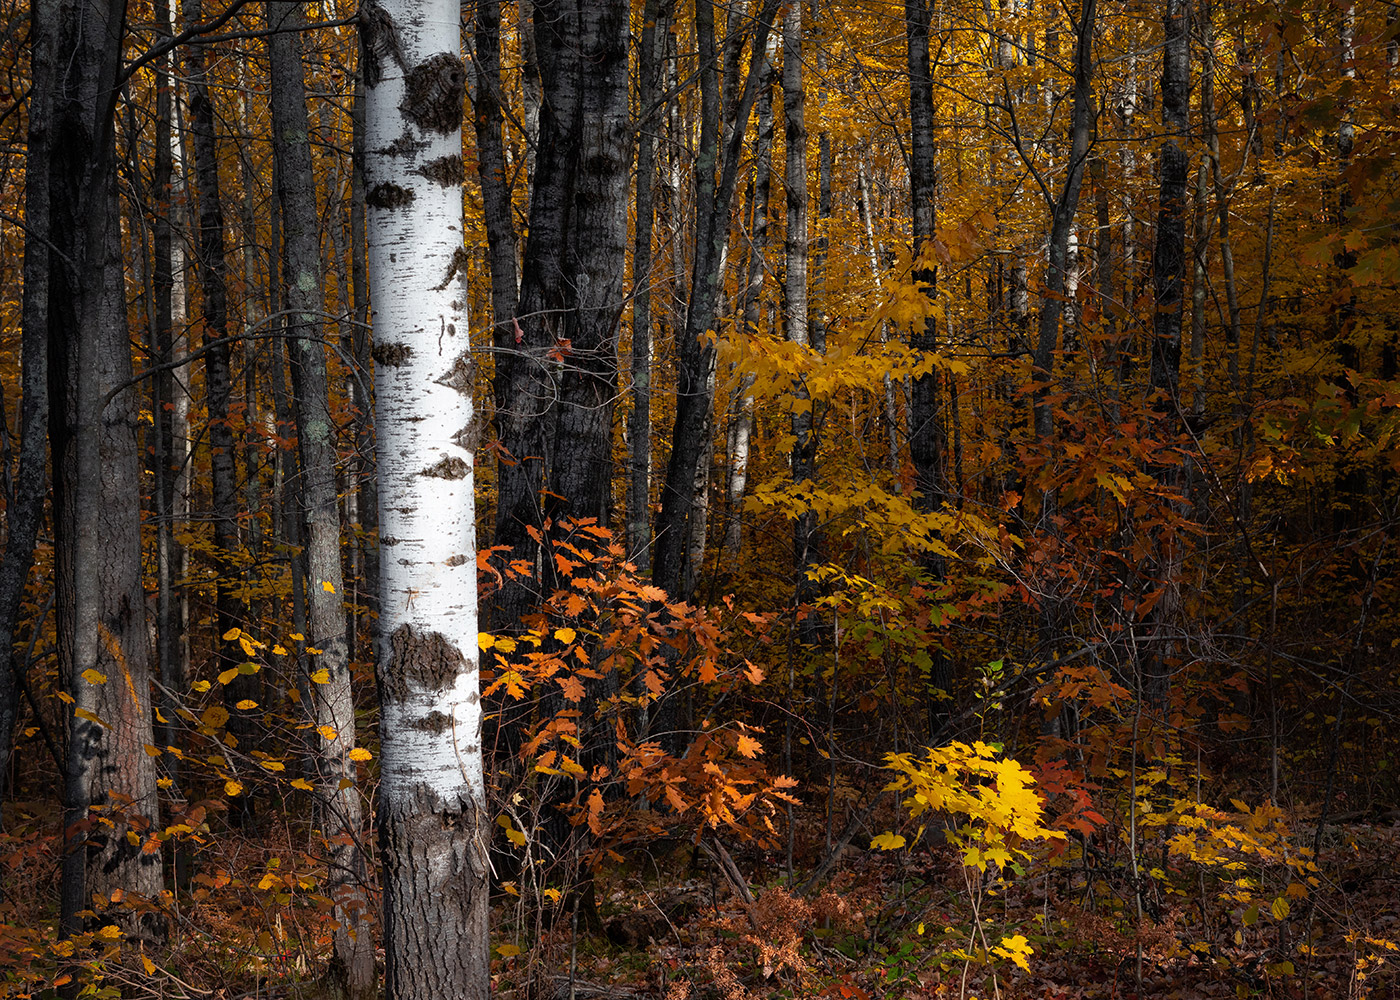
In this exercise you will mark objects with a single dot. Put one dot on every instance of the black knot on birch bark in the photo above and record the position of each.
(470, 436)
(459, 377)
(381, 40)
(389, 196)
(428, 660)
(394, 355)
(451, 467)
(435, 90)
(445, 171)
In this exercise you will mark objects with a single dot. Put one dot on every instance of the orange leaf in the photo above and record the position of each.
(749, 747)
(573, 688)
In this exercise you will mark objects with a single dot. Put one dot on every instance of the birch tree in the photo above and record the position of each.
(432, 794)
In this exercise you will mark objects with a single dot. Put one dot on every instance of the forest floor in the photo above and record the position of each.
(884, 924)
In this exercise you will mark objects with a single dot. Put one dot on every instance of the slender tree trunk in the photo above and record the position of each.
(795, 293)
(714, 198)
(104, 649)
(1062, 221)
(650, 113)
(330, 703)
(218, 380)
(489, 120)
(25, 514)
(432, 795)
(742, 415)
(362, 385)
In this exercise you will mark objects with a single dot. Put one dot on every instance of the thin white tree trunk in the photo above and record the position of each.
(431, 792)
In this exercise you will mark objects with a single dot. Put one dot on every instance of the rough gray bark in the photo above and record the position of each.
(25, 513)
(557, 379)
(218, 378)
(104, 650)
(927, 437)
(489, 120)
(327, 696)
(1169, 253)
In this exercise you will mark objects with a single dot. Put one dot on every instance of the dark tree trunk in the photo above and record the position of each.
(695, 356)
(104, 648)
(489, 120)
(639, 419)
(326, 692)
(927, 437)
(25, 513)
(213, 269)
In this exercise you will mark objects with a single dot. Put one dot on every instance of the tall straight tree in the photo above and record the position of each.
(432, 793)
(218, 375)
(25, 508)
(326, 694)
(927, 440)
(104, 648)
(716, 178)
(556, 378)
(795, 293)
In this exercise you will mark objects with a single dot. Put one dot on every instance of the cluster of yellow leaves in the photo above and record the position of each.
(993, 797)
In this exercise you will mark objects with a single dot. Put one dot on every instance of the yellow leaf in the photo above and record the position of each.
(148, 965)
(228, 675)
(232, 788)
(302, 783)
(888, 842)
(151, 751)
(485, 640)
(315, 652)
(327, 586)
(110, 933)
(296, 637)
(200, 686)
(1279, 909)
(214, 716)
(508, 950)
(246, 705)
(565, 635)
(273, 765)
(553, 895)
(360, 753)
(322, 676)
(94, 677)
(506, 645)
(232, 634)
(268, 881)
(67, 698)
(279, 650)
(327, 733)
(248, 648)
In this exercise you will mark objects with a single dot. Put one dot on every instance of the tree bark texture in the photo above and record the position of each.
(218, 377)
(104, 647)
(432, 796)
(716, 177)
(25, 513)
(327, 696)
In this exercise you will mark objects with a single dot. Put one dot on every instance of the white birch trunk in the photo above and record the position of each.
(431, 793)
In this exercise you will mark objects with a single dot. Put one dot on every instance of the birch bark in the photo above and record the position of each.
(432, 797)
